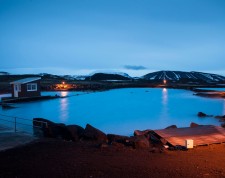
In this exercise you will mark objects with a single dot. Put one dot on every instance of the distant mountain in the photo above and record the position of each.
(109, 76)
(177, 76)
(80, 77)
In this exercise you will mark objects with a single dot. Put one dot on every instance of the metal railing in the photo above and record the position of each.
(21, 124)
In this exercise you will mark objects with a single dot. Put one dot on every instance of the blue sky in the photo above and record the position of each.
(133, 36)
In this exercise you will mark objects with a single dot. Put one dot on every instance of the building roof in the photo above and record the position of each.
(25, 80)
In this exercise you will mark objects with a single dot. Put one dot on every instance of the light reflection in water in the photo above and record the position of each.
(224, 107)
(164, 96)
(164, 112)
(64, 109)
(64, 93)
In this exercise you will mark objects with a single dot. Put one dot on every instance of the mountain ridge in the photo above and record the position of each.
(181, 75)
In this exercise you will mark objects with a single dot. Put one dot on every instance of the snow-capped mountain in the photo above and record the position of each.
(180, 75)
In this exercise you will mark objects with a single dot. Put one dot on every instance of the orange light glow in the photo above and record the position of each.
(63, 86)
(164, 81)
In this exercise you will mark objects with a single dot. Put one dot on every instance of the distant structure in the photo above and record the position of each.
(28, 87)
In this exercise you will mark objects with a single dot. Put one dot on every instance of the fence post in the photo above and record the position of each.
(15, 124)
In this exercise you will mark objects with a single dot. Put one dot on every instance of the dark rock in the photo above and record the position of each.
(180, 147)
(117, 138)
(139, 132)
(223, 125)
(171, 127)
(157, 150)
(76, 131)
(141, 142)
(201, 114)
(41, 122)
(91, 133)
(51, 129)
(117, 145)
(103, 146)
(163, 141)
(60, 131)
(192, 125)
(41, 127)
(221, 118)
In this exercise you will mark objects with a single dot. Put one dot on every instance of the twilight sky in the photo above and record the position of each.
(133, 36)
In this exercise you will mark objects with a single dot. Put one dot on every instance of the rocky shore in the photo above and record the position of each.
(72, 151)
(75, 133)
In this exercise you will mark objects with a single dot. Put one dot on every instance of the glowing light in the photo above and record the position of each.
(64, 93)
(63, 83)
(164, 81)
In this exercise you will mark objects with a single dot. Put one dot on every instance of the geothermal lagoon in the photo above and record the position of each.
(121, 111)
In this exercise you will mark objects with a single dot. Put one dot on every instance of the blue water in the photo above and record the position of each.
(122, 111)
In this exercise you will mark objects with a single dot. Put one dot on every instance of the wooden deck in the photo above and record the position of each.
(202, 135)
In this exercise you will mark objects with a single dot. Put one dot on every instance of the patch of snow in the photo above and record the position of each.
(207, 76)
(192, 76)
(152, 78)
(167, 77)
(177, 77)
(162, 76)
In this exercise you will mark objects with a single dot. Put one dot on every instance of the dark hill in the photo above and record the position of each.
(104, 76)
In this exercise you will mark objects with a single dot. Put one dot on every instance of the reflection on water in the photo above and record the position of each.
(224, 107)
(64, 93)
(164, 111)
(164, 96)
(64, 109)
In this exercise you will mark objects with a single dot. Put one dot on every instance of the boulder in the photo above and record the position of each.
(141, 142)
(201, 114)
(139, 132)
(171, 127)
(157, 150)
(91, 133)
(41, 127)
(192, 125)
(220, 117)
(117, 146)
(41, 122)
(117, 138)
(51, 129)
(223, 125)
(60, 131)
(163, 141)
(76, 131)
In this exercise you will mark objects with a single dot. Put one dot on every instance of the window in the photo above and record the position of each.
(32, 87)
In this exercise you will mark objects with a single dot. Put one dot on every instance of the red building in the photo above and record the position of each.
(28, 87)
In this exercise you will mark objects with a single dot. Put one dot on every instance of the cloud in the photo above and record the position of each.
(132, 67)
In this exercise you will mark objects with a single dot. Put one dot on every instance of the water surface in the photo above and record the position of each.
(121, 111)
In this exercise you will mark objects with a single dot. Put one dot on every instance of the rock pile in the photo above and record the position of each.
(45, 128)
